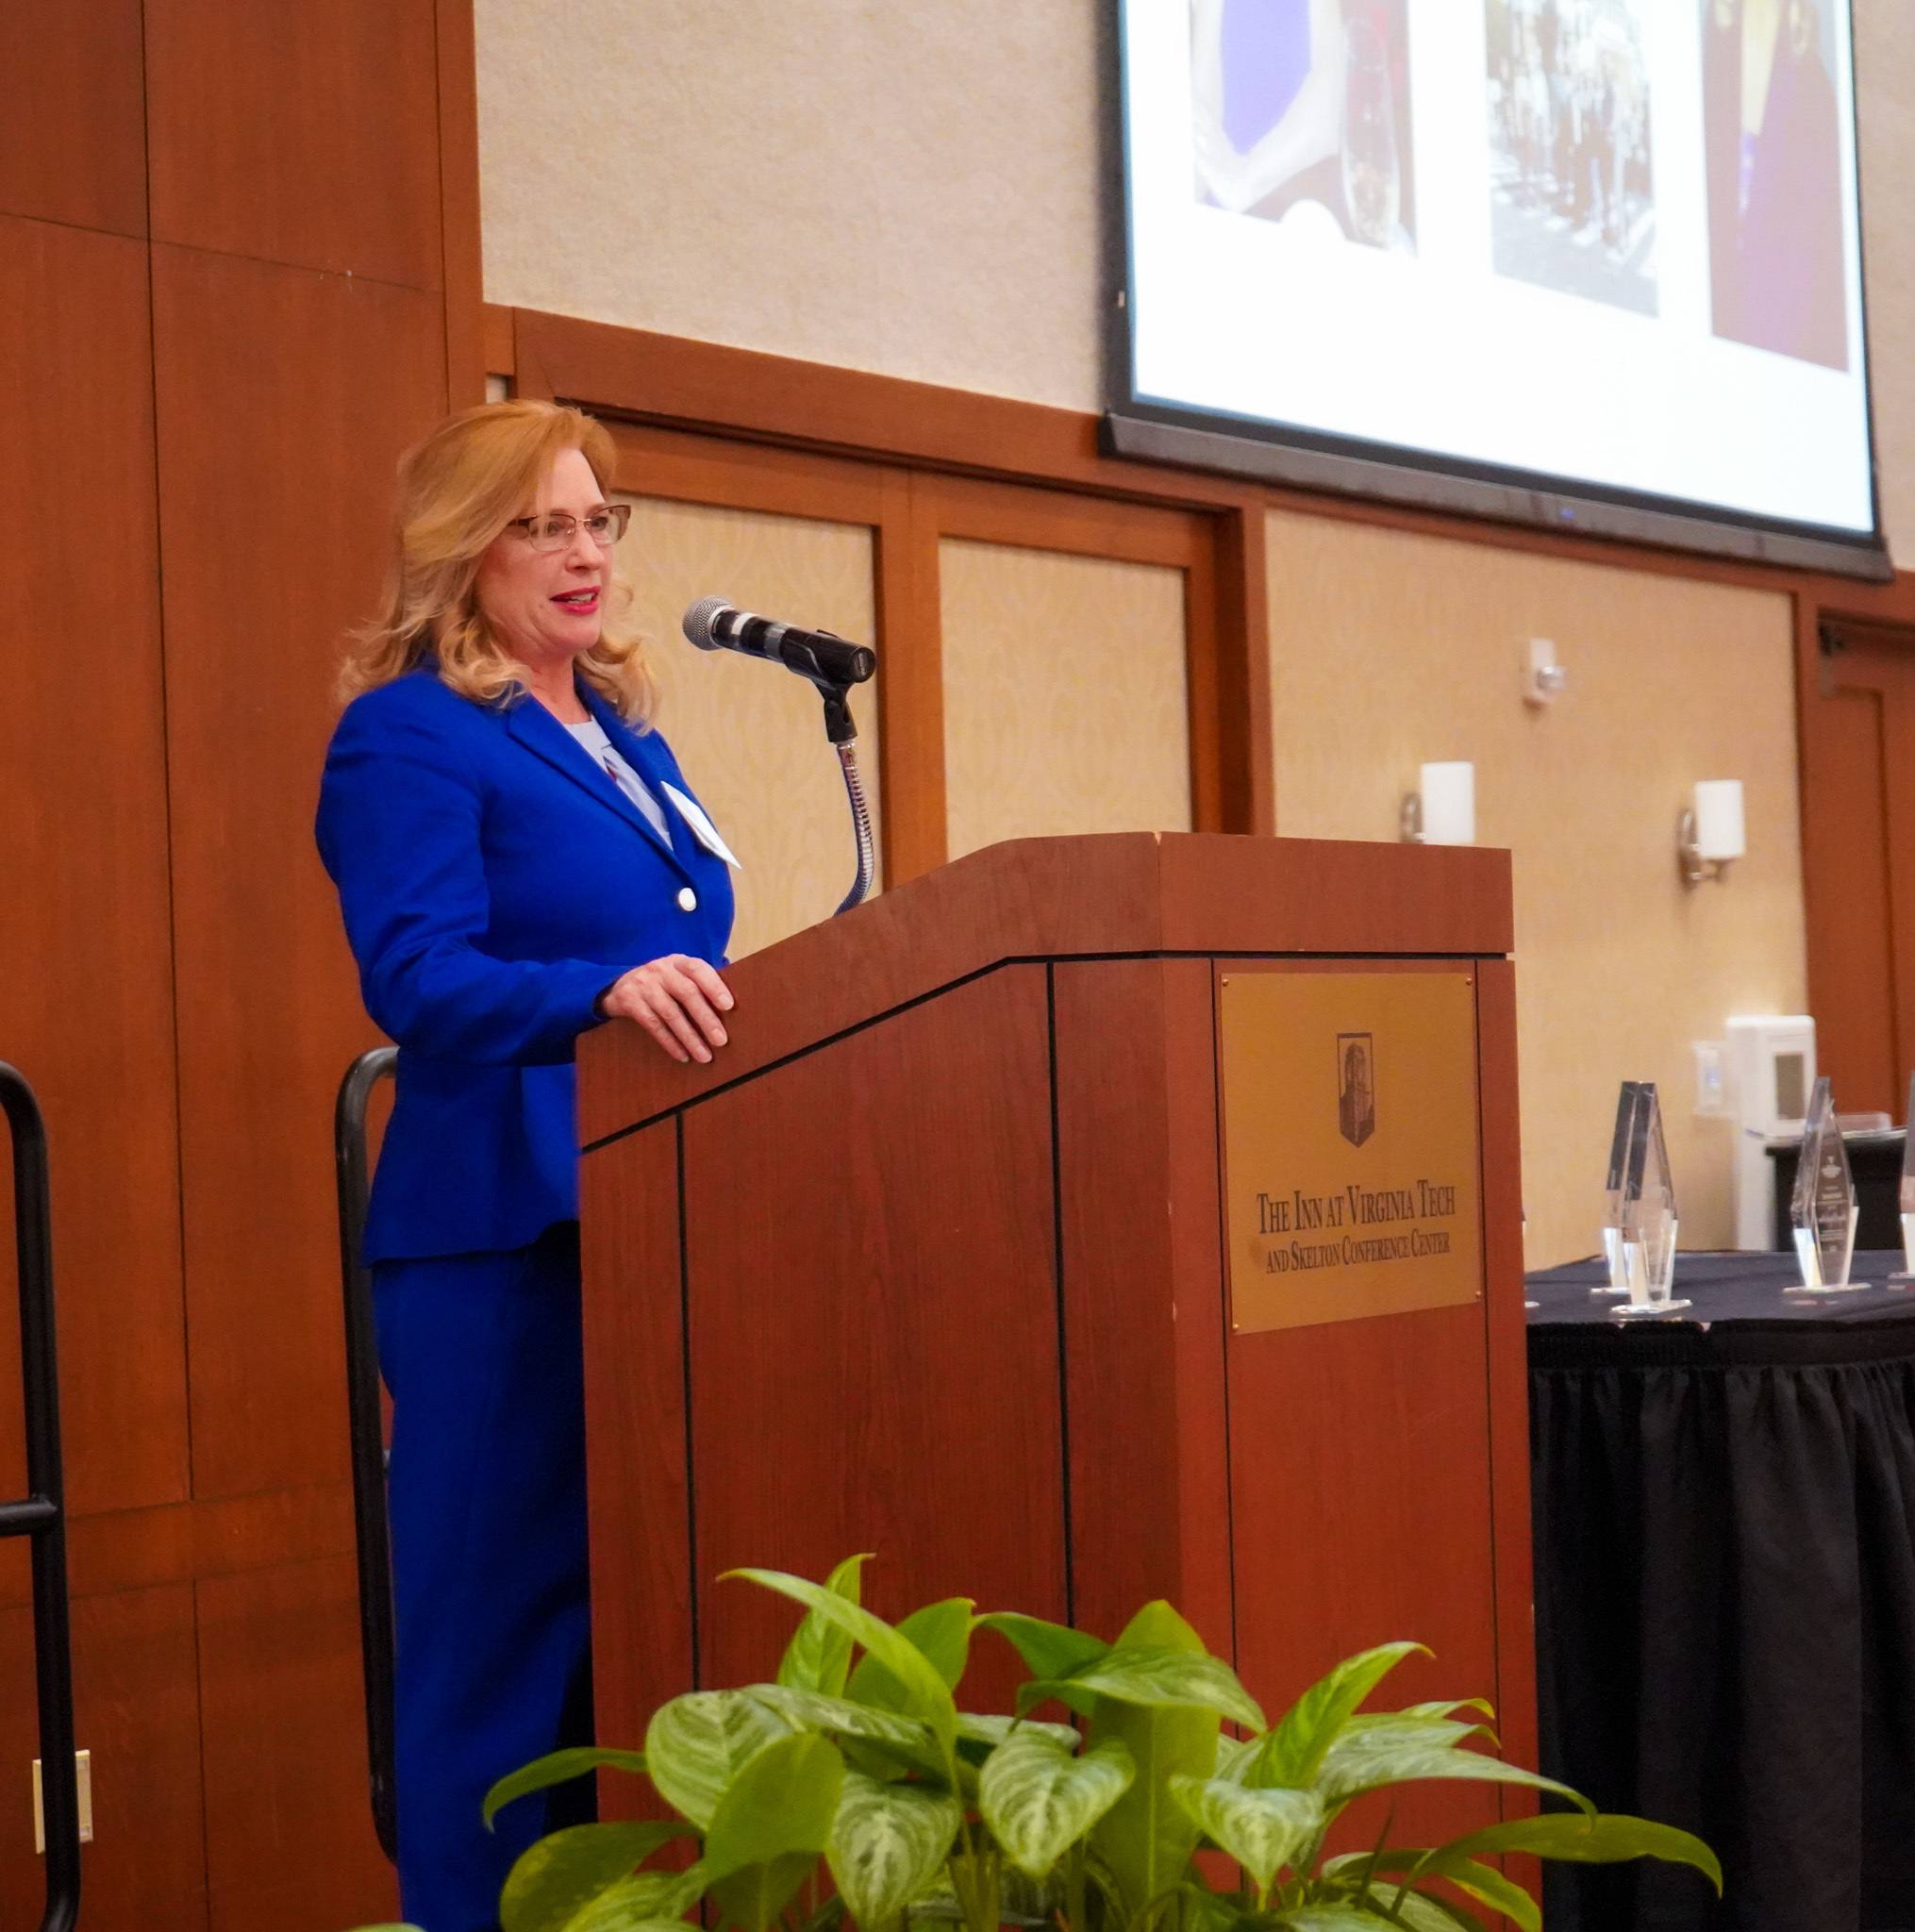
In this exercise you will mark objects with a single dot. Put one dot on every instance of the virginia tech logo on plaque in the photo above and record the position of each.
(1380, 1214)
(1357, 1085)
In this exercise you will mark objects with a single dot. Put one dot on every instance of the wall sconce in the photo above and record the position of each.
(1442, 810)
(1709, 833)
(1543, 679)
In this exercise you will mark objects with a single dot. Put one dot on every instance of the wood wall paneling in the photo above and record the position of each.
(1210, 718)
(910, 681)
(801, 1275)
(86, 986)
(462, 274)
(1244, 761)
(726, 474)
(160, 786)
(1858, 838)
(275, 473)
(496, 327)
(137, 1712)
(73, 136)
(288, 1827)
(1852, 978)
(306, 137)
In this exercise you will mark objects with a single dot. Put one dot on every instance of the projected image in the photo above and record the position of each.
(1300, 114)
(1572, 191)
(1772, 142)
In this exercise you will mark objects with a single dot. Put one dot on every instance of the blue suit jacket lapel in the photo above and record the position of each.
(640, 750)
(543, 735)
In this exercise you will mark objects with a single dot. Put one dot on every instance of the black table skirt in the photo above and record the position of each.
(1726, 1594)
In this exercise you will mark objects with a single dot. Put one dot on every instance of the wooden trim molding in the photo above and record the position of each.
(911, 630)
(1245, 751)
(495, 327)
(461, 271)
(770, 398)
(961, 452)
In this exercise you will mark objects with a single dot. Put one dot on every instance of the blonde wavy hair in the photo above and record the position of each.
(459, 488)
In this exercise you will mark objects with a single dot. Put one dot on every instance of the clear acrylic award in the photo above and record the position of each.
(1905, 1275)
(1617, 1282)
(1823, 1212)
(1648, 1213)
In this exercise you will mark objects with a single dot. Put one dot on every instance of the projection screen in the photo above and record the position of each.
(1595, 263)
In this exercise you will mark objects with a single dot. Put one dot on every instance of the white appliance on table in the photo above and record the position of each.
(1769, 1065)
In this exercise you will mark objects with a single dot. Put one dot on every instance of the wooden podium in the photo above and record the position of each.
(931, 1263)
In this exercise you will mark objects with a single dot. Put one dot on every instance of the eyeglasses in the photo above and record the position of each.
(556, 530)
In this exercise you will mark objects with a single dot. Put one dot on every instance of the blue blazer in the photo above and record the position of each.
(493, 883)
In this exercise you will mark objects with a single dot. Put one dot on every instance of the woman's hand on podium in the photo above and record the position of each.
(676, 1000)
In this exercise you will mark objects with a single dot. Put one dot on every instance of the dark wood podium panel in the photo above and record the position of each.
(930, 1262)
(874, 1332)
(1137, 1151)
(1360, 1513)
(642, 1570)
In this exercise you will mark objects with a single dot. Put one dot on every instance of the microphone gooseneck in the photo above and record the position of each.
(826, 661)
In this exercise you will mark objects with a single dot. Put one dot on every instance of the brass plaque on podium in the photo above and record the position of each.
(1350, 1146)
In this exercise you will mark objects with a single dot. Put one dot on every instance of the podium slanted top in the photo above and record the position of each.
(1110, 895)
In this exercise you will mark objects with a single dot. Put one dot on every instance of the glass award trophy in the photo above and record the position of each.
(1648, 1214)
(1617, 1282)
(1905, 1275)
(1823, 1212)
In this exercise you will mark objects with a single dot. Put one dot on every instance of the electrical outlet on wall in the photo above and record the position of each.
(83, 1780)
(1711, 1096)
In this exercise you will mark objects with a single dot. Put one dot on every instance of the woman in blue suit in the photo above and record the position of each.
(518, 860)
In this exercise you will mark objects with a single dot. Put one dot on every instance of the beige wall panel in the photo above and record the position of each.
(912, 189)
(749, 735)
(1388, 650)
(1065, 705)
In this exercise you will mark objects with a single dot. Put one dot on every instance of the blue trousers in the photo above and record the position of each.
(487, 1496)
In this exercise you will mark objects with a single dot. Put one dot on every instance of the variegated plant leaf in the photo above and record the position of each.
(1039, 1795)
(926, 1695)
(697, 1744)
(1308, 1728)
(564, 1873)
(993, 1728)
(839, 1717)
(887, 1845)
(1158, 1676)
(1263, 1830)
(1364, 1767)
(819, 1655)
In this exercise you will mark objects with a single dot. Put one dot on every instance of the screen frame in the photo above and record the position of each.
(1156, 429)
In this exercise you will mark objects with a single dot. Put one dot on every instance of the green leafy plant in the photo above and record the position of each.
(858, 1766)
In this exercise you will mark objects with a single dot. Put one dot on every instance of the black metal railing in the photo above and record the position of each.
(371, 1530)
(40, 1515)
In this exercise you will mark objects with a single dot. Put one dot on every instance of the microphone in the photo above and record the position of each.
(713, 624)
